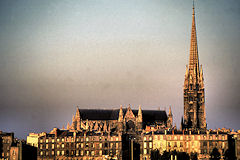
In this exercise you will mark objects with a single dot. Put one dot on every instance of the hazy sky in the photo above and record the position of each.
(55, 55)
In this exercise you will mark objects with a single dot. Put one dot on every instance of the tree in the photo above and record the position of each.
(229, 155)
(183, 156)
(215, 155)
(155, 155)
(194, 156)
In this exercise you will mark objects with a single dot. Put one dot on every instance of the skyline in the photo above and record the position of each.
(104, 54)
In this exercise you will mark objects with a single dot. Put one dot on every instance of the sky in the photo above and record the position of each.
(56, 55)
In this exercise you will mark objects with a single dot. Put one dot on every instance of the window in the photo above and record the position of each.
(144, 151)
(204, 143)
(145, 145)
(190, 98)
(181, 144)
(175, 144)
(150, 144)
(105, 144)
(105, 152)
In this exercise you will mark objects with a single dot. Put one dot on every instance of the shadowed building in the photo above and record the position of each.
(123, 119)
(14, 149)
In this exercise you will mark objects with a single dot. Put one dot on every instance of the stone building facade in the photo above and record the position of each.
(185, 141)
(102, 134)
(15, 149)
(6, 141)
(64, 144)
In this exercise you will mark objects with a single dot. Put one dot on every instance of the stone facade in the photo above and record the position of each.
(102, 134)
(64, 144)
(14, 149)
(237, 145)
(6, 141)
(189, 142)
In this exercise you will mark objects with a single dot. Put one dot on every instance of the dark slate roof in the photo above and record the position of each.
(97, 114)
(102, 114)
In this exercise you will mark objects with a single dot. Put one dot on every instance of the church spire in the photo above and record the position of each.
(194, 103)
(120, 116)
(139, 114)
(193, 58)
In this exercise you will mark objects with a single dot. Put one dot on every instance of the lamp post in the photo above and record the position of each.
(131, 149)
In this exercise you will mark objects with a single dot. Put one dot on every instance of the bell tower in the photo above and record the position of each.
(194, 95)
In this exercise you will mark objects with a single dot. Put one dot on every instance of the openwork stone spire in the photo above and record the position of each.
(193, 58)
(194, 96)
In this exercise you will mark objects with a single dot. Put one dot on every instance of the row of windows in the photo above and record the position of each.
(79, 153)
(190, 137)
(71, 139)
(187, 144)
(147, 138)
(80, 145)
(147, 145)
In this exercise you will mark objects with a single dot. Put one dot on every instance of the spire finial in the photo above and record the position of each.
(193, 8)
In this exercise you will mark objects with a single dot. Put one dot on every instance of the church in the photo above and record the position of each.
(128, 134)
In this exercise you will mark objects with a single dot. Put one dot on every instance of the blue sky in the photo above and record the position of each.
(55, 55)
